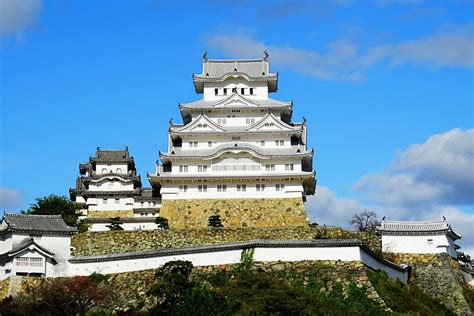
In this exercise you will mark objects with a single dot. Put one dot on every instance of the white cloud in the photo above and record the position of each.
(343, 60)
(18, 15)
(425, 182)
(9, 198)
(327, 208)
(439, 171)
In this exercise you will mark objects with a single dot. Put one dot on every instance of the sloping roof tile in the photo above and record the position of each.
(38, 223)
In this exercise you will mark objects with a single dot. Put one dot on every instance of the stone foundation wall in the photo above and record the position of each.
(131, 288)
(109, 214)
(101, 243)
(439, 276)
(235, 212)
(4, 284)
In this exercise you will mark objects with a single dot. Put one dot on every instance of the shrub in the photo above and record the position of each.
(162, 222)
(215, 221)
(115, 223)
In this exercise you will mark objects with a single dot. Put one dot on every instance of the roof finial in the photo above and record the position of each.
(444, 218)
(126, 147)
(171, 121)
(265, 55)
(204, 57)
(304, 119)
(98, 148)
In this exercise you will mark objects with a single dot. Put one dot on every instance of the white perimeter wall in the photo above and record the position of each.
(233, 256)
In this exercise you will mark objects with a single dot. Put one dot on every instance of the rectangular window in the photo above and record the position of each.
(23, 262)
(251, 91)
(202, 188)
(183, 188)
(202, 168)
(117, 201)
(36, 262)
(104, 201)
(193, 144)
(430, 241)
(235, 137)
(225, 91)
(280, 186)
(221, 121)
(260, 187)
(289, 167)
(29, 261)
(242, 91)
(241, 187)
(279, 142)
(270, 167)
(183, 168)
(221, 188)
(209, 144)
(234, 90)
(216, 91)
(262, 143)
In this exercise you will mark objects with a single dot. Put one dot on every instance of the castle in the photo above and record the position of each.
(237, 154)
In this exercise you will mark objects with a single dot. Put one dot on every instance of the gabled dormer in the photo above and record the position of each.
(202, 123)
(271, 123)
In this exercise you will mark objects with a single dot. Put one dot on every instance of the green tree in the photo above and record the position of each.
(59, 205)
(115, 223)
(215, 221)
(162, 222)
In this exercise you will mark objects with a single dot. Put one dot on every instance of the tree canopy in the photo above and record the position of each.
(58, 205)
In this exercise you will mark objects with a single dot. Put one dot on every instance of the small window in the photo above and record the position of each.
(241, 187)
(104, 201)
(117, 201)
(225, 91)
(280, 186)
(209, 144)
(202, 168)
(430, 241)
(234, 90)
(183, 168)
(262, 143)
(193, 144)
(260, 187)
(242, 91)
(202, 188)
(119, 170)
(251, 91)
(104, 170)
(289, 167)
(221, 188)
(235, 137)
(216, 91)
(183, 188)
(270, 167)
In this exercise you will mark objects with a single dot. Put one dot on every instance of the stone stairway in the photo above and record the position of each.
(15, 285)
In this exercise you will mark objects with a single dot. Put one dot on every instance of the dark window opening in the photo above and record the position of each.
(216, 91)
(177, 142)
(234, 90)
(251, 91)
(242, 90)
(225, 91)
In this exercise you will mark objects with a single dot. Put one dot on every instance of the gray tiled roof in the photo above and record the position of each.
(408, 227)
(216, 68)
(287, 151)
(268, 103)
(38, 224)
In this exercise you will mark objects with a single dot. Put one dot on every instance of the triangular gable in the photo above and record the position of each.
(235, 100)
(29, 244)
(201, 123)
(269, 122)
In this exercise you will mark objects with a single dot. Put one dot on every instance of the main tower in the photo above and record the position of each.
(236, 154)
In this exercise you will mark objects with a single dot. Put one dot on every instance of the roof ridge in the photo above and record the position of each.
(32, 215)
(236, 60)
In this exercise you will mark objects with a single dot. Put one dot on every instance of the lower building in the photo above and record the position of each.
(418, 237)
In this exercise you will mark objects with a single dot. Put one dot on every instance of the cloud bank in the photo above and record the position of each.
(18, 15)
(424, 182)
(343, 60)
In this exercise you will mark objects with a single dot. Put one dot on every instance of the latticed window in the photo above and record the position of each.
(29, 262)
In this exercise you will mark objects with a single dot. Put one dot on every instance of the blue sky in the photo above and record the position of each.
(387, 88)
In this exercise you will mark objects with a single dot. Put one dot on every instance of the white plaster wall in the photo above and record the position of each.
(117, 185)
(172, 191)
(100, 227)
(233, 256)
(111, 168)
(124, 204)
(415, 244)
(371, 262)
(260, 89)
(6, 241)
